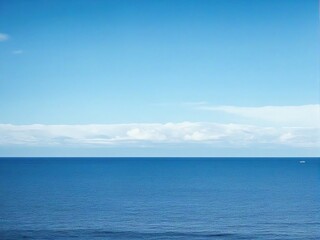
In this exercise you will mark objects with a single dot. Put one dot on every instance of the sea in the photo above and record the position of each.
(160, 198)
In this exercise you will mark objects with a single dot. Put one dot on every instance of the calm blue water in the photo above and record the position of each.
(163, 198)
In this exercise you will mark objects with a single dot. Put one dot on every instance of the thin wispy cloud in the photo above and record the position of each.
(4, 37)
(151, 134)
(302, 115)
(17, 52)
(199, 103)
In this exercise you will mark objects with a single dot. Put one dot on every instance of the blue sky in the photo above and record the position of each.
(158, 62)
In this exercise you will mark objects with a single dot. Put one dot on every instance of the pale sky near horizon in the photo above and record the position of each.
(159, 78)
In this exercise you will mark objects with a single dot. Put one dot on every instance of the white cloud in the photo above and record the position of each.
(212, 134)
(304, 115)
(4, 37)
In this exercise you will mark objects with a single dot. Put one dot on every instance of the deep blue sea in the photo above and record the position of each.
(160, 198)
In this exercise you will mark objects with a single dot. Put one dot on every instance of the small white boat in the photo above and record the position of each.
(302, 161)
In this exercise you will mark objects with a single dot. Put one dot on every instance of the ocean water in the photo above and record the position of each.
(160, 198)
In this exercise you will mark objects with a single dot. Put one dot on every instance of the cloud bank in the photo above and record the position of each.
(154, 134)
